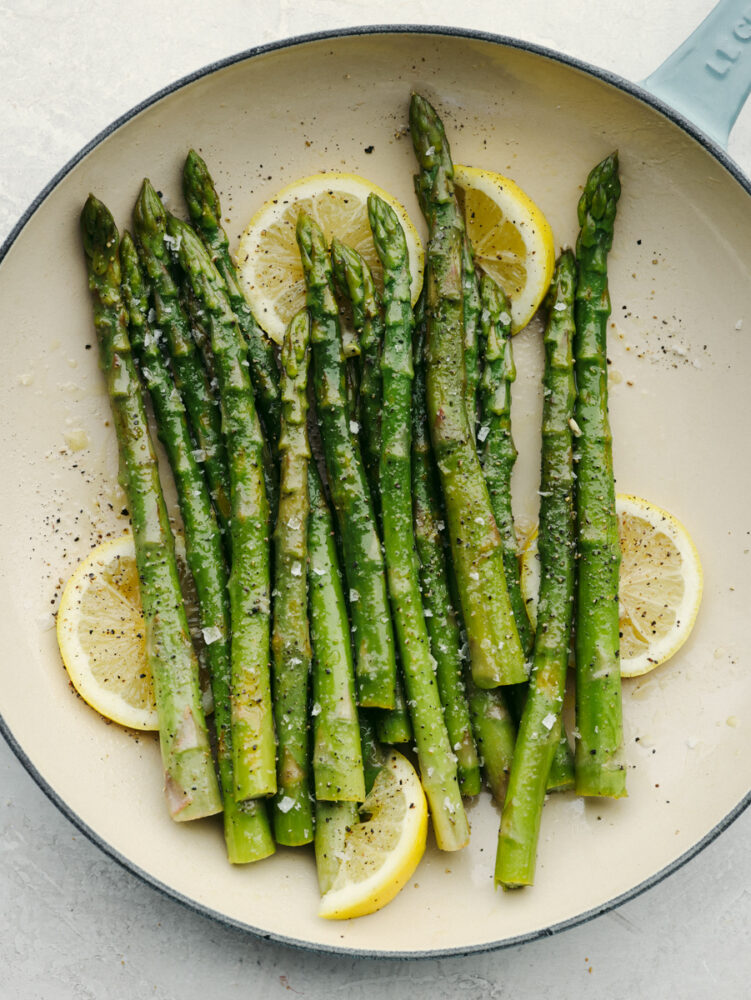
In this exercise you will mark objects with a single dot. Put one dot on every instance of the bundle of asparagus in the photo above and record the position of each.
(413, 511)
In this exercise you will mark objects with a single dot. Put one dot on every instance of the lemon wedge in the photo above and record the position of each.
(511, 238)
(382, 851)
(268, 258)
(660, 585)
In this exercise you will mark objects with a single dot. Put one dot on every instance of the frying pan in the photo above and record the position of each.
(679, 352)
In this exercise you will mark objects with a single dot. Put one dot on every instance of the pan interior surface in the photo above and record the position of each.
(680, 351)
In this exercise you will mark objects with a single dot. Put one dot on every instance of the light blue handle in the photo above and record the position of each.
(708, 78)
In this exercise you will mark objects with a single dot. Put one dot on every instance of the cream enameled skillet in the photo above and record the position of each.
(680, 351)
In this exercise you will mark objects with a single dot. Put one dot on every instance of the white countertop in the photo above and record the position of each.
(73, 924)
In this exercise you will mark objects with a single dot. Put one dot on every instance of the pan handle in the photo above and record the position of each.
(708, 78)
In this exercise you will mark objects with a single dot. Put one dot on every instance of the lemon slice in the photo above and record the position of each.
(660, 587)
(268, 258)
(382, 851)
(660, 584)
(100, 631)
(101, 635)
(511, 238)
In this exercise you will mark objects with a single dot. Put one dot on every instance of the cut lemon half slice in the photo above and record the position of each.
(268, 257)
(511, 238)
(382, 851)
(101, 634)
(100, 631)
(660, 584)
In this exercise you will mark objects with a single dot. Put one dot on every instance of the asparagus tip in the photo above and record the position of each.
(99, 233)
(149, 212)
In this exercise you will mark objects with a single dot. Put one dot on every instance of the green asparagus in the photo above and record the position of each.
(373, 757)
(253, 740)
(354, 282)
(438, 770)
(498, 459)
(205, 212)
(495, 650)
(393, 724)
(334, 820)
(191, 787)
(599, 767)
(443, 628)
(471, 305)
(540, 726)
(375, 664)
(290, 643)
(246, 827)
(499, 452)
(353, 278)
(337, 753)
(494, 729)
(472, 308)
(150, 230)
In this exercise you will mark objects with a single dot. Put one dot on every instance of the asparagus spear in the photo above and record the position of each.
(373, 757)
(205, 212)
(150, 230)
(334, 820)
(337, 753)
(190, 782)
(599, 767)
(375, 664)
(437, 762)
(494, 730)
(496, 653)
(246, 827)
(292, 811)
(394, 724)
(253, 741)
(443, 627)
(355, 280)
(499, 457)
(499, 452)
(472, 308)
(196, 319)
(540, 726)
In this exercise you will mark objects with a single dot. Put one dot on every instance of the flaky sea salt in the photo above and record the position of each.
(173, 242)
